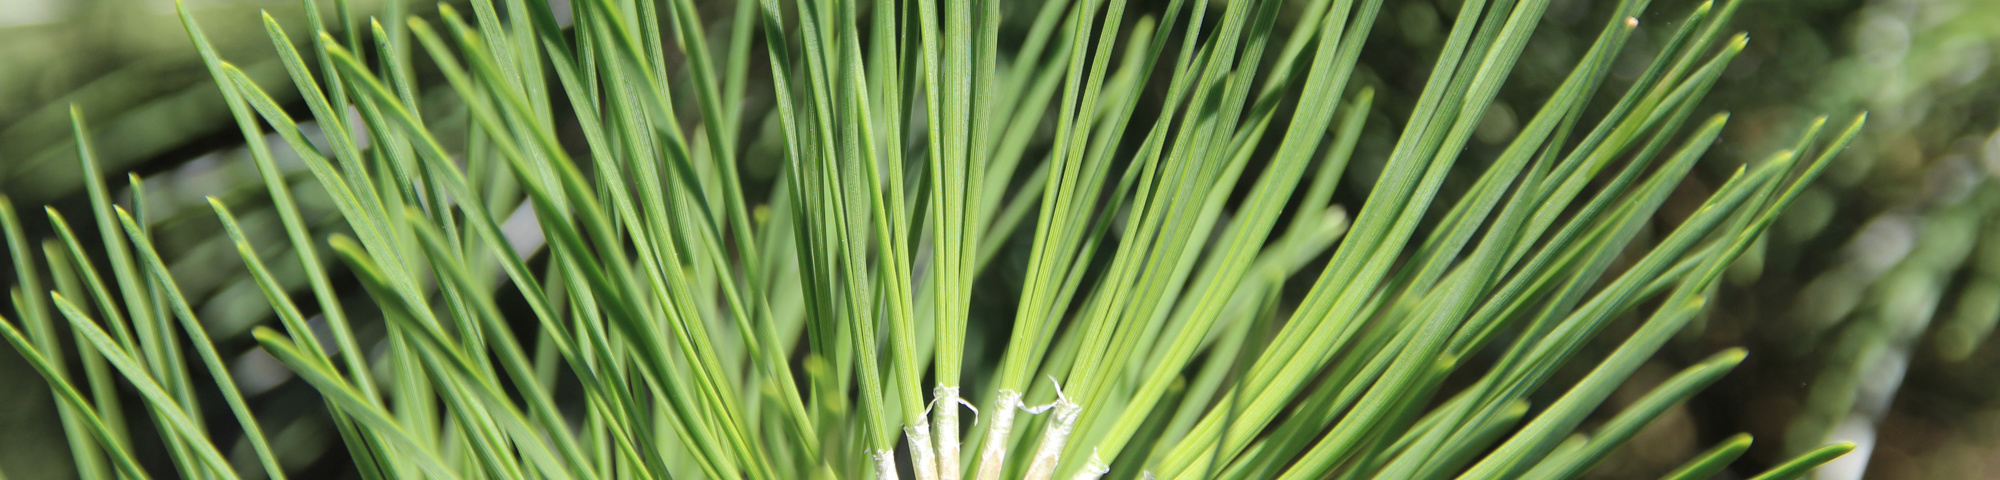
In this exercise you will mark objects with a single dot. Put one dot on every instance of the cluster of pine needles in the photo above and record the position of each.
(684, 329)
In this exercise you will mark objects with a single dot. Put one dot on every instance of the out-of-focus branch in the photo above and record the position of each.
(131, 69)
